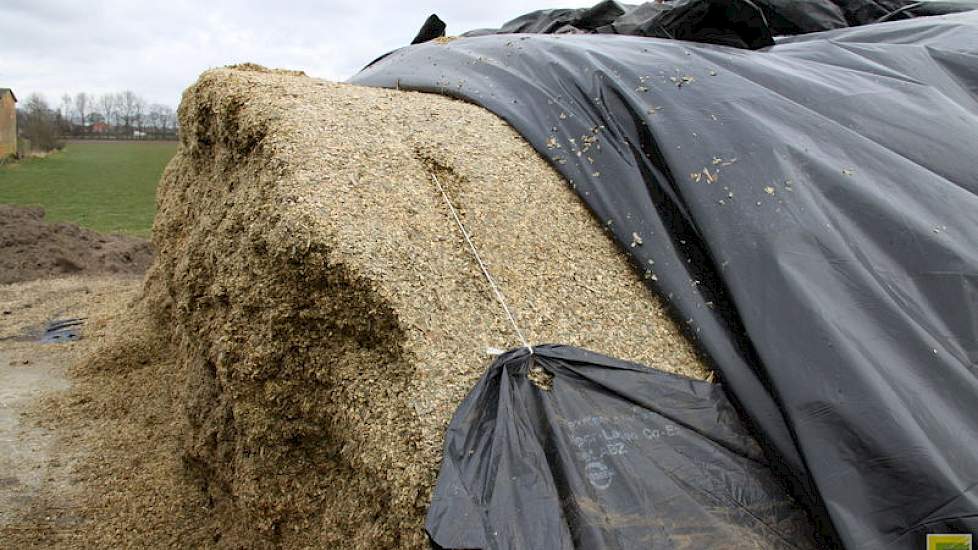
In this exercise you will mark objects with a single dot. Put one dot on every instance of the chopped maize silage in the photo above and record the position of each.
(329, 312)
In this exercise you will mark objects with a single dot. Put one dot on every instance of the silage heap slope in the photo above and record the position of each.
(811, 211)
(322, 298)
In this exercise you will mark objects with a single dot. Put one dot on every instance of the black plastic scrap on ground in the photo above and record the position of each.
(62, 330)
(810, 212)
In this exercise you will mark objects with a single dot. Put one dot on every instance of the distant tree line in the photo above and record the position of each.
(122, 115)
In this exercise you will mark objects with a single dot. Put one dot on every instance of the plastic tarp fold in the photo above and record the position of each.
(600, 453)
(810, 210)
(737, 23)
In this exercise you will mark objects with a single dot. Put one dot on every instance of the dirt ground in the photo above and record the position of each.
(29, 454)
(32, 249)
(90, 429)
(37, 501)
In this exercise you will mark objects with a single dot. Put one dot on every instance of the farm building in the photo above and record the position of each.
(8, 122)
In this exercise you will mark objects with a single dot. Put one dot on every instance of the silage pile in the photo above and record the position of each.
(323, 301)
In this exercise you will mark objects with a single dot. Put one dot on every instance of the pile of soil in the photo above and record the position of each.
(318, 296)
(32, 249)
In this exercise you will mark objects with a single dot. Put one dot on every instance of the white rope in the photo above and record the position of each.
(485, 271)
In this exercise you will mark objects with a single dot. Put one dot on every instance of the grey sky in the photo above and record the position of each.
(158, 48)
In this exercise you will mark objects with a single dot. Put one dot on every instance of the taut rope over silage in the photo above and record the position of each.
(485, 271)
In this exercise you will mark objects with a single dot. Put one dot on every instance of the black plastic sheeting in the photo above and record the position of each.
(810, 212)
(600, 453)
(62, 330)
(738, 23)
(432, 28)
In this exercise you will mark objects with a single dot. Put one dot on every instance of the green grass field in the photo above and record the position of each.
(107, 186)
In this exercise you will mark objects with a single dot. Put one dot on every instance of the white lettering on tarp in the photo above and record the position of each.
(599, 436)
(616, 448)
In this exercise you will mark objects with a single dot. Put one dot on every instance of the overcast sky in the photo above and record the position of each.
(158, 48)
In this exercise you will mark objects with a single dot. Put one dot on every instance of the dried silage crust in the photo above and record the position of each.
(330, 314)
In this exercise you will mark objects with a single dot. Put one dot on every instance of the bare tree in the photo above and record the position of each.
(138, 108)
(118, 119)
(169, 119)
(155, 117)
(36, 104)
(106, 103)
(128, 101)
(81, 106)
(160, 119)
(66, 110)
(40, 124)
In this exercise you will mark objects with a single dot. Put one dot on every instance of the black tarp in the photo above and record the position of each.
(738, 23)
(809, 211)
(599, 453)
(432, 28)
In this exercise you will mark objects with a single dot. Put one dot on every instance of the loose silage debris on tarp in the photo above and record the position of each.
(809, 210)
(564, 448)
